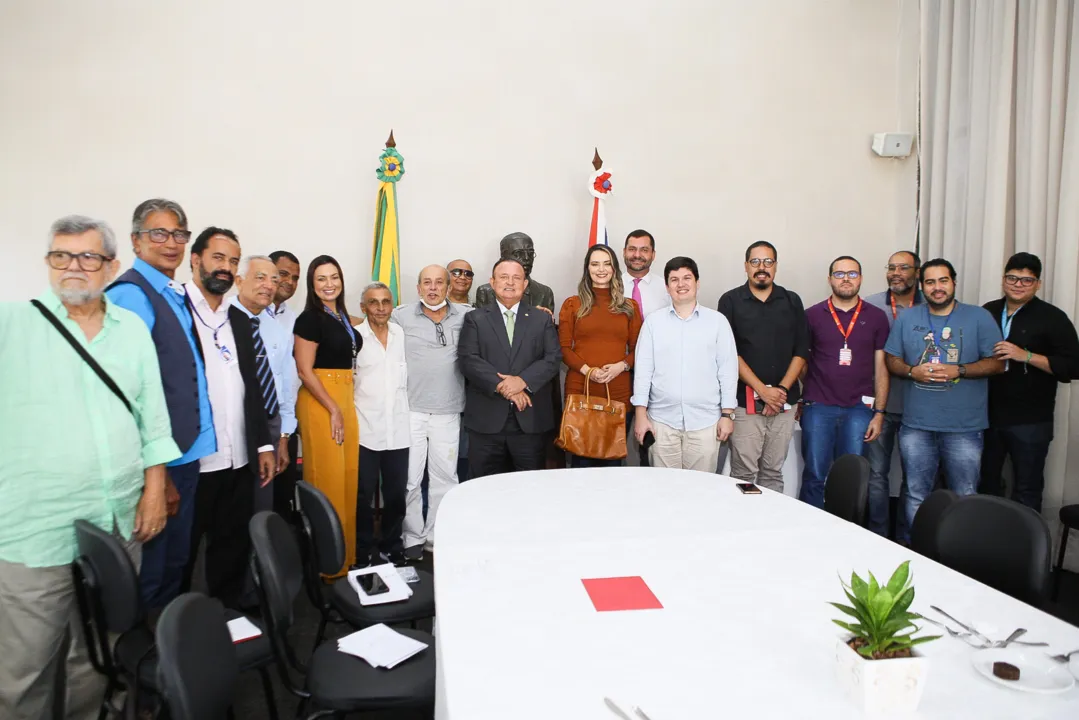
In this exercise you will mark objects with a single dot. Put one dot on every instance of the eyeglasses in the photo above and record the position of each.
(766, 262)
(87, 261)
(1021, 280)
(160, 235)
(850, 274)
(441, 333)
(902, 267)
(458, 272)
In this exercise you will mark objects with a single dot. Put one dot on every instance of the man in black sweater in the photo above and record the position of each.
(1040, 348)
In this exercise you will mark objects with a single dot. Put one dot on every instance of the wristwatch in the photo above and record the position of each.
(962, 370)
(732, 415)
(285, 436)
(878, 411)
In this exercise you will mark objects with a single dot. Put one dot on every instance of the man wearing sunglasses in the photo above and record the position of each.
(846, 381)
(461, 277)
(436, 399)
(770, 331)
(73, 450)
(159, 236)
(1040, 349)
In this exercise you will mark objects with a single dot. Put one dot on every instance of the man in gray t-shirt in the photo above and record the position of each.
(436, 398)
(901, 295)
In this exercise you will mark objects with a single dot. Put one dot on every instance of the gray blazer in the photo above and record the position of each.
(483, 351)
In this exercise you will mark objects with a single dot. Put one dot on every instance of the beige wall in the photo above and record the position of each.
(726, 121)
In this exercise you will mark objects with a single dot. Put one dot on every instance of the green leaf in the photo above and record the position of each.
(859, 588)
(856, 629)
(874, 586)
(895, 625)
(904, 599)
(881, 605)
(867, 650)
(848, 610)
(858, 605)
(924, 639)
(898, 581)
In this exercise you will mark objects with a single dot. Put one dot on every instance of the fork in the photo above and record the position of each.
(1065, 657)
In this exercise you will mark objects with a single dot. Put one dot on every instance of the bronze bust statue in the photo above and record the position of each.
(518, 246)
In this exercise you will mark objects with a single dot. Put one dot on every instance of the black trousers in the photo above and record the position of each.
(224, 503)
(510, 450)
(1028, 446)
(391, 466)
(284, 485)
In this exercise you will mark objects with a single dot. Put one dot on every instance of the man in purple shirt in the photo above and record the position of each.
(846, 381)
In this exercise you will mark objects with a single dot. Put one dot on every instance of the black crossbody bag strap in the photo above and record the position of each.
(84, 355)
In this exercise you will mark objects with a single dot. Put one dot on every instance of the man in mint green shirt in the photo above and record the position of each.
(71, 450)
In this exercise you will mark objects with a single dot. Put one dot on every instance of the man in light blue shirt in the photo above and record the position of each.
(685, 379)
(257, 283)
(159, 236)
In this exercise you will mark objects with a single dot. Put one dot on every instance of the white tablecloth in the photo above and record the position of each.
(745, 630)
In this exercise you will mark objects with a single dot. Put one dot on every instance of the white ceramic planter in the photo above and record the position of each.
(880, 687)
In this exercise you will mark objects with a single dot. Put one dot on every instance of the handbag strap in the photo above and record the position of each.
(587, 382)
(84, 354)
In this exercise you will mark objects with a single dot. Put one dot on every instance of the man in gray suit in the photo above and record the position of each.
(509, 353)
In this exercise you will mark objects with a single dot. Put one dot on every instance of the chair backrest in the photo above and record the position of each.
(196, 660)
(846, 491)
(113, 583)
(923, 531)
(998, 542)
(279, 569)
(323, 529)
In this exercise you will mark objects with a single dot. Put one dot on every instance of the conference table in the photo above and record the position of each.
(744, 581)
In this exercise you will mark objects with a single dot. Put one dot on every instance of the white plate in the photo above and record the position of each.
(1037, 673)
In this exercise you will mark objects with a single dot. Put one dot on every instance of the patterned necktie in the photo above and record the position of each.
(262, 370)
(637, 294)
(509, 325)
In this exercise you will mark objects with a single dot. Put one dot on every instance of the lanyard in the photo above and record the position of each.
(349, 328)
(1006, 321)
(932, 329)
(891, 299)
(850, 328)
(214, 330)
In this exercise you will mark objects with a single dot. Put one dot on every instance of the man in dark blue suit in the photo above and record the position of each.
(509, 354)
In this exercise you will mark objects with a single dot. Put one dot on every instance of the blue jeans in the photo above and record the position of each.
(576, 461)
(879, 455)
(164, 559)
(924, 451)
(828, 432)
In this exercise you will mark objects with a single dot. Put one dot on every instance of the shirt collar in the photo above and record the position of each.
(157, 279)
(502, 308)
(451, 308)
(281, 310)
(199, 300)
(646, 280)
(695, 313)
(235, 302)
(777, 293)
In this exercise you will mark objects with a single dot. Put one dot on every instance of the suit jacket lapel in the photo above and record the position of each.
(521, 324)
(245, 344)
(498, 324)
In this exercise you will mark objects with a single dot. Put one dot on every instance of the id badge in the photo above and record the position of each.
(953, 355)
(844, 356)
(226, 354)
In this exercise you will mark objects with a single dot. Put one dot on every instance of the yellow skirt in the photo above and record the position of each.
(334, 469)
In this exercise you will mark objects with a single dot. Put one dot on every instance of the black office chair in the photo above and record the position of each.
(923, 531)
(324, 553)
(998, 542)
(1069, 520)
(107, 594)
(846, 490)
(196, 660)
(336, 682)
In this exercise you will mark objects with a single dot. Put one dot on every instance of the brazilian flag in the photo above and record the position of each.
(386, 256)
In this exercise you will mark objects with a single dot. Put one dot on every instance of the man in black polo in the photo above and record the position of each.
(773, 342)
(1040, 349)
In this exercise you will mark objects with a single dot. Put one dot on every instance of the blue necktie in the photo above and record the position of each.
(262, 370)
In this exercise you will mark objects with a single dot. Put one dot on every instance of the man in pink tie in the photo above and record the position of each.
(644, 286)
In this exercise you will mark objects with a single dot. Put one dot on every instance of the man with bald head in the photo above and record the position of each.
(436, 398)
(461, 277)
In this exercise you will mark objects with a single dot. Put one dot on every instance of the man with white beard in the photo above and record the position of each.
(79, 442)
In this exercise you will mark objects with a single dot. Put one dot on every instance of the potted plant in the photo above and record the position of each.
(876, 663)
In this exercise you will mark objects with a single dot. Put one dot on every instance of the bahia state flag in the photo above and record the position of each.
(599, 186)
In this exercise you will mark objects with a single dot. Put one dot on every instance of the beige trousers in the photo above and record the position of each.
(759, 447)
(685, 449)
(39, 618)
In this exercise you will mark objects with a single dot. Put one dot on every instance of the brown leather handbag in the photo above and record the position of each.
(592, 428)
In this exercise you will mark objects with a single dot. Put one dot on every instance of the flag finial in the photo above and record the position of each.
(597, 161)
(390, 143)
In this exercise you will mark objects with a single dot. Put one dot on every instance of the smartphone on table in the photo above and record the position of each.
(749, 489)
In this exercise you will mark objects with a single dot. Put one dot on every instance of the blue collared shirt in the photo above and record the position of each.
(131, 297)
(278, 342)
(686, 371)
